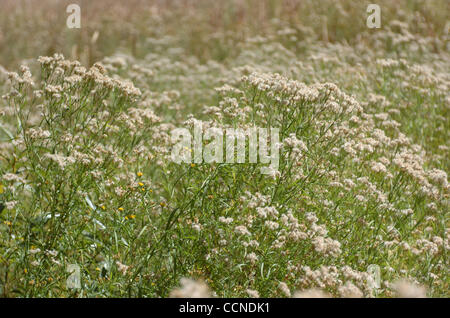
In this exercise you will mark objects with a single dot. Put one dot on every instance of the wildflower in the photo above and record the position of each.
(196, 226)
(191, 289)
(60, 160)
(223, 243)
(326, 246)
(271, 225)
(252, 257)
(378, 167)
(122, 268)
(241, 229)
(35, 251)
(349, 290)
(139, 174)
(405, 289)
(10, 205)
(311, 293)
(252, 293)
(51, 253)
(283, 287)
(225, 220)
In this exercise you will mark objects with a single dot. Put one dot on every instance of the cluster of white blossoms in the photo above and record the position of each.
(73, 73)
(191, 289)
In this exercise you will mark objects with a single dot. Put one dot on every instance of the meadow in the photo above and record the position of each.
(358, 205)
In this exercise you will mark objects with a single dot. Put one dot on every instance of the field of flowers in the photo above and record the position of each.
(359, 204)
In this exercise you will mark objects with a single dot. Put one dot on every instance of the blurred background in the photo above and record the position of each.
(207, 29)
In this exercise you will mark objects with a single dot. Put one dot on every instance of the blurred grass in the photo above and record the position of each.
(204, 28)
